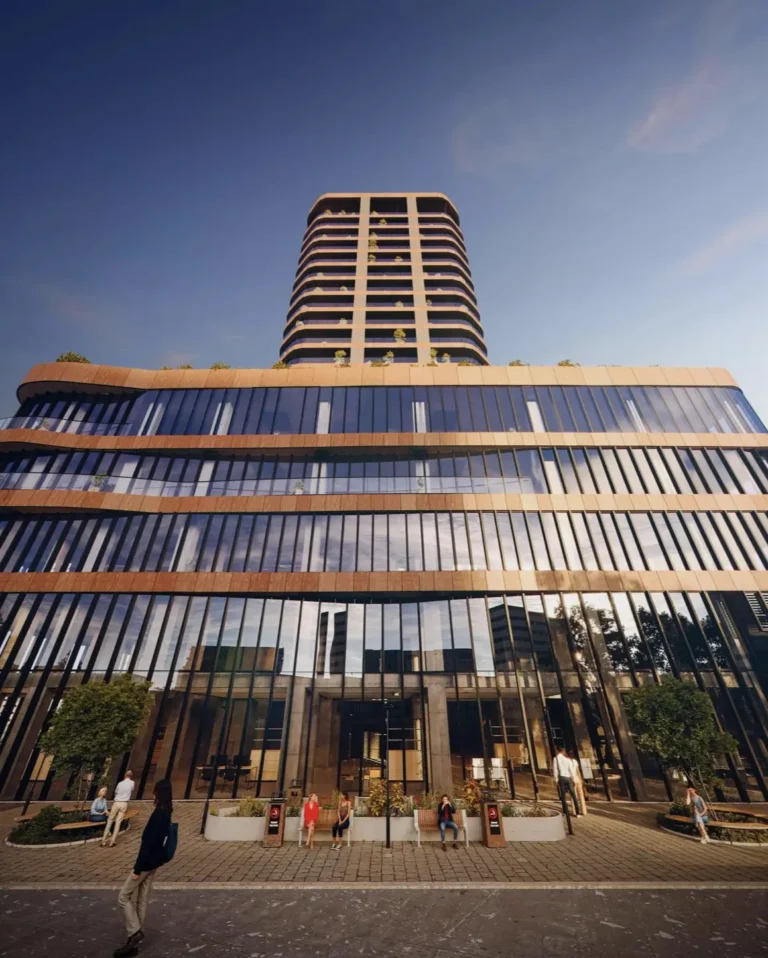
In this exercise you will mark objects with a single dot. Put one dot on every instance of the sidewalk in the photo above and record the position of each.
(614, 843)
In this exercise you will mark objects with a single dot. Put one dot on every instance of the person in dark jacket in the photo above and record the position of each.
(134, 894)
(445, 813)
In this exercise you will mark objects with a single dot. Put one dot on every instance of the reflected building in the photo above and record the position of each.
(383, 525)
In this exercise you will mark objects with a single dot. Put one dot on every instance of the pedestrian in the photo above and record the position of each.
(445, 813)
(311, 815)
(700, 814)
(123, 794)
(562, 770)
(154, 852)
(342, 821)
(578, 783)
(98, 812)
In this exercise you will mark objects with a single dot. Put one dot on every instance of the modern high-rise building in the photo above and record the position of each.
(492, 555)
(383, 274)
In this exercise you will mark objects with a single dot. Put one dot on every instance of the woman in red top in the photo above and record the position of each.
(311, 814)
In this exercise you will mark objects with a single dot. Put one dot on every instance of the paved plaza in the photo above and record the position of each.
(415, 923)
(614, 843)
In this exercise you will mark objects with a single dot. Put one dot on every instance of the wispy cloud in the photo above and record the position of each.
(490, 139)
(738, 236)
(683, 118)
(63, 305)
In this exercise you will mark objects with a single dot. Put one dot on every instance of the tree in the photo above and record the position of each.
(95, 724)
(186, 366)
(280, 365)
(567, 362)
(676, 722)
(518, 362)
(220, 366)
(71, 357)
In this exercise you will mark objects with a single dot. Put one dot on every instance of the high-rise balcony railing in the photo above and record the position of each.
(80, 427)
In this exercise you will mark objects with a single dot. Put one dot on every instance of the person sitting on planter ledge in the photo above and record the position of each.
(445, 813)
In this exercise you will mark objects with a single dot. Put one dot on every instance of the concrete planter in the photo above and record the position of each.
(225, 827)
(367, 829)
(532, 829)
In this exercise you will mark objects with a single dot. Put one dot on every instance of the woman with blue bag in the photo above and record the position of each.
(158, 846)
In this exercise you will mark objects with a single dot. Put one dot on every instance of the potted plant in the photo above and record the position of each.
(465, 362)
(343, 289)
(429, 302)
(340, 356)
(371, 258)
(399, 304)
(518, 362)
(433, 354)
(382, 222)
(299, 322)
(343, 321)
(445, 358)
(237, 823)
(388, 357)
(98, 480)
(298, 487)
(398, 259)
(399, 335)
(326, 212)
(280, 365)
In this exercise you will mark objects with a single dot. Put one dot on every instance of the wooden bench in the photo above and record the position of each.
(761, 819)
(66, 807)
(726, 826)
(77, 826)
(425, 820)
(327, 818)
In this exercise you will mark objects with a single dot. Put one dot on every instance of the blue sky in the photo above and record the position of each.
(608, 160)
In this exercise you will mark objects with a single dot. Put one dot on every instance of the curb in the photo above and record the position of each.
(400, 886)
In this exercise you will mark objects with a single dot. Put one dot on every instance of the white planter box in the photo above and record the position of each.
(529, 829)
(366, 829)
(224, 827)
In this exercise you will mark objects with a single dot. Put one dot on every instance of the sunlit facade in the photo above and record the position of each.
(495, 554)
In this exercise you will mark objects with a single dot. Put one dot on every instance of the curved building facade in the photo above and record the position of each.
(493, 555)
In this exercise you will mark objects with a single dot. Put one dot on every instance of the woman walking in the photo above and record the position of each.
(342, 821)
(153, 853)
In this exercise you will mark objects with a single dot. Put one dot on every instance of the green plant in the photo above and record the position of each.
(399, 335)
(377, 798)
(518, 362)
(280, 365)
(71, 357)
(165, 367)
(94, 724)
(427, 801)
(214, 812)
(676, 722)
(567, 362)
(99, 479)
(514, 810)
(445, 358)
(471, 797)
(398, 259)
(389, 356)
(371, 258)
(340, 355)
(251, 808)
(382, 222)
(378, 362)
(464, 362)
(220, 366)
(185, 366)
(399, 304)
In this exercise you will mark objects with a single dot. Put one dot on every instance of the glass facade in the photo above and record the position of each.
(384, 542)
(419, 409)
(260, 690)
(569, 469)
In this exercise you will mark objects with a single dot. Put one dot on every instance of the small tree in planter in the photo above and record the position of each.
(388, 357)
(185, 366)
(433, 354)
(371, 258)
(465, 362)
(280, 365)
(71, 357)
(445, 358)
(377, 798)
(98, 480)
(518, 362)
(399, 335)
(220, 366)
(340, 357)
(95, 724)
(675, 721)
(471, 797)
(567, 362)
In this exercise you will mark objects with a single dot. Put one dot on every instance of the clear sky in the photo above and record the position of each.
(609, 161)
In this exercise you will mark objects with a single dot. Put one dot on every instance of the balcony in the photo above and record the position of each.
(79, 427)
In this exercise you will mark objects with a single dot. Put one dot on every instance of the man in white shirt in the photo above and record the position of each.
(123, 794)
(563, 773)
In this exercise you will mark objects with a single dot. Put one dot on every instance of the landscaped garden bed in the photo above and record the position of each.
(731, 827)
(42, 830)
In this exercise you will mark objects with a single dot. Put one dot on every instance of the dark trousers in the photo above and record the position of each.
(338, 830)
(565, 787)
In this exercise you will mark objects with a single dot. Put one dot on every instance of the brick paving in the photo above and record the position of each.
(614, 843)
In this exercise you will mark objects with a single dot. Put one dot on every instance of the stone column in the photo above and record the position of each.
(441, 777)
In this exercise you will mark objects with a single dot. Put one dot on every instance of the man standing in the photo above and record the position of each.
(123, 794)
(562, 771)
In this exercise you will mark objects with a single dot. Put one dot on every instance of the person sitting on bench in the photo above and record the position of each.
(342, 821)
(445, 813)
(98, 812)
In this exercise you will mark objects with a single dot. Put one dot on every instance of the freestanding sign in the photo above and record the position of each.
(493, 832)
(273, 833)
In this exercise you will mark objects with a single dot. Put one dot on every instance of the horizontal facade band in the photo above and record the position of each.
(381, 583)
(15, 439)
(44, 500)
(49, 376)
